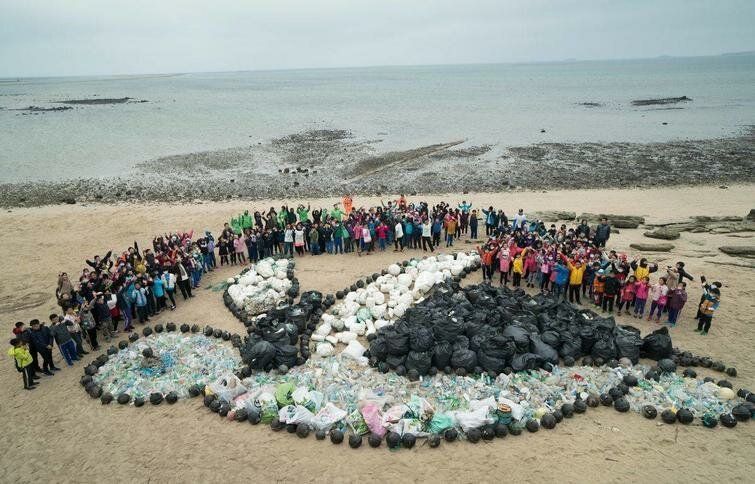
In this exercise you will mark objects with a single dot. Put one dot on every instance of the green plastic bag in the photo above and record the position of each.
(357, 423)
(363, 315)
(440, 422)
(283, 394)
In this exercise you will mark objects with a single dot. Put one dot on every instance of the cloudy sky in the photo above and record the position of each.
(77, 37)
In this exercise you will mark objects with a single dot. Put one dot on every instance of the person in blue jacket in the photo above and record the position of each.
(562, 277)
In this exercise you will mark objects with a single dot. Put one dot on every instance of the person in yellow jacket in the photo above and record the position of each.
(23, 359)
(577, 272)
(517, 268)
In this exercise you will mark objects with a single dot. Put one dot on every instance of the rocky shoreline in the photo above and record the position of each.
(325, 163)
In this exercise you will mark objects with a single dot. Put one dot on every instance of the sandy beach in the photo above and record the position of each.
(58, 434)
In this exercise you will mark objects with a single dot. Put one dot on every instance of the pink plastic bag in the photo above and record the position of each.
(373, 417)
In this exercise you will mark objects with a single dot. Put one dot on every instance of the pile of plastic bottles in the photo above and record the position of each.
(183, 360)
(453, 401)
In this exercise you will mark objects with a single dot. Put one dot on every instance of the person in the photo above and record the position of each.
(642, 269)
(520, 219)
(182, 278)
(426, 236)
(71, 320)
(64, 339)
(504, 265)
(611, 289)
(42, 339)
(382, 234)
(88, 324)
(676, 302)
(602, 233)
(288, 241)
(450, 224)
(658, 298)
(169, 282)
(299, 239)
(23, 360)
(626, 296)
(348, 204)
(367, 244)
(707, 309)
(239, 246)
(583, 230)
(158, 290)
(487, 255)
(398, 237)
(490, 220)
(103, 318)
(641, 290)
(598, 288)
(560, 278)
(706, 288)
(473, 225)
(575, 278)
(517, 268)
(139, 298)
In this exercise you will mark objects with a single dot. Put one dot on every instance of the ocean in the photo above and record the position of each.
(404, 107)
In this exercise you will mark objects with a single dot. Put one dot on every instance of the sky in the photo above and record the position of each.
(102, 37)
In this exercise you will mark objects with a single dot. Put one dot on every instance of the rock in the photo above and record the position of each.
(652, 247)
(552, 215)
(725, 218)
(69, 201)
(663, 233)
(618, 221)
(751, 215)
(738, 250)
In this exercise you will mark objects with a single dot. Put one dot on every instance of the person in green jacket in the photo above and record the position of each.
(246, 220)
(20, 353)
(337, 213)
(282, 216)
(339, 235)
(236, 225)
(303, 213)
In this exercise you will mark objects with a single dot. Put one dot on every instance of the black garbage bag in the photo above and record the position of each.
(551, 338)
(442, 354)
(276, 336)
(588, 336)
(448, 329)
(419, 360)
(379, 348)
(490, 363)
(628, 344)
(421, 338)
(397, 343)
(298, 316)
(313, 298)
(520, 337)
(526, 361)
(260, 355)
(293, 333)
(571, 346)
(657, 345)
(286, 355)
(544, 351)
(394, 361)
(464, 358)
(604, 348)
(499, 347)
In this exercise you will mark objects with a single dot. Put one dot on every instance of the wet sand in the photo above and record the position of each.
(57, 433)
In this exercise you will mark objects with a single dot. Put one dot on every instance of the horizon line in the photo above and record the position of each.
(7, 79)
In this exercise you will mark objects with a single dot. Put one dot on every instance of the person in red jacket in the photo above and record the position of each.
(382, 234)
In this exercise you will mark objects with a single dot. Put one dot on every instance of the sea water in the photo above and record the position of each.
(396, 107)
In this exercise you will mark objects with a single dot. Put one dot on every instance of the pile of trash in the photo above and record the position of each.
(336, 397)
(161, 365)
(279, 339)
(261, 288)
(483, 328)
(378, 301)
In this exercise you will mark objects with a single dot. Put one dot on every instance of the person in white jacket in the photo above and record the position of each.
(169, 282)
(427, 232)
(398, 239)
(519, 220)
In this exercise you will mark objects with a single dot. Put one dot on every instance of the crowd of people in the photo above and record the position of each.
(114, 291)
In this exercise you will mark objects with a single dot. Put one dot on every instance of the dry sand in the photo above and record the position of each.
(57, 433)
